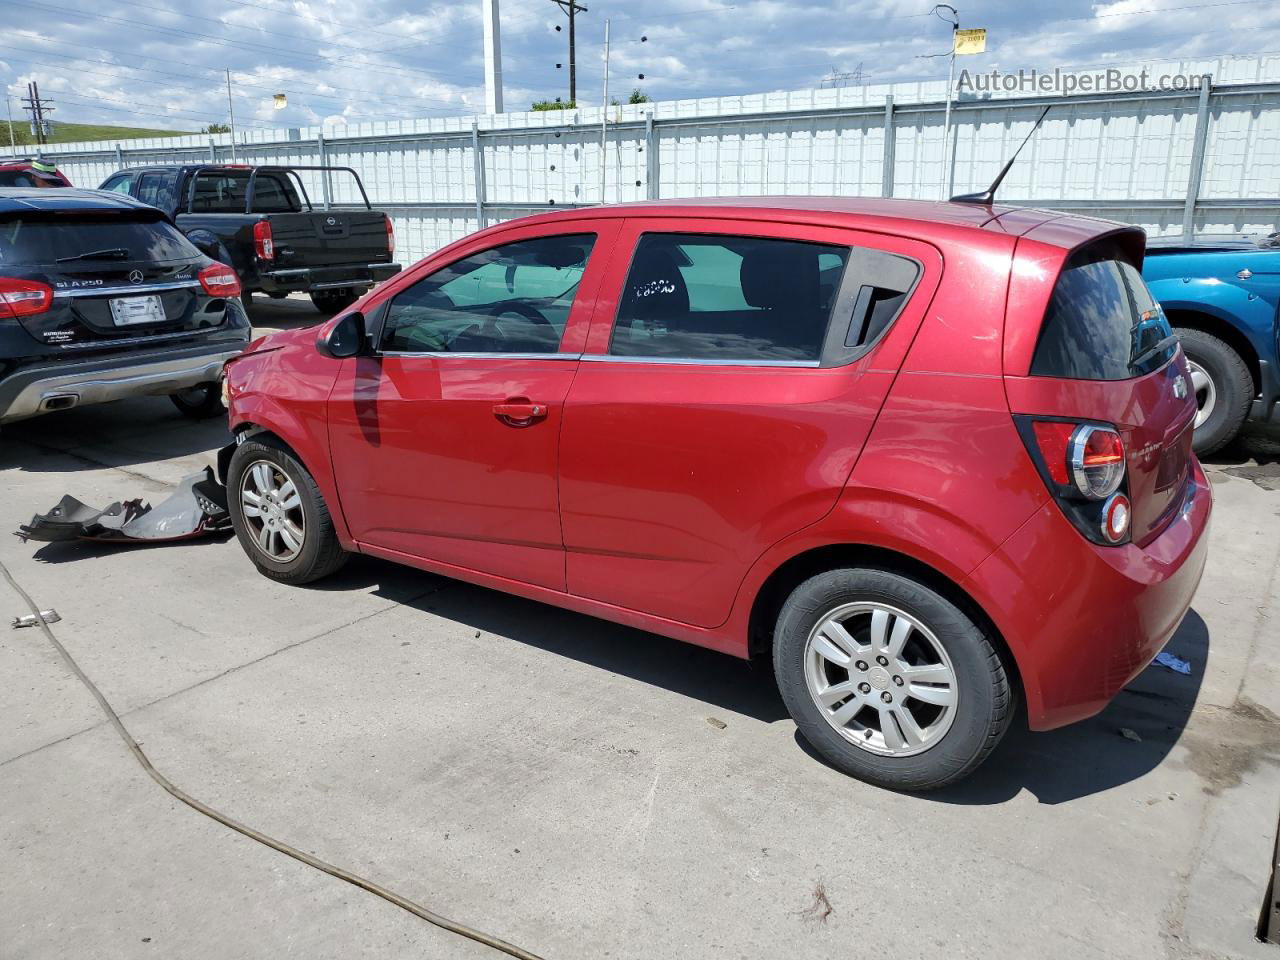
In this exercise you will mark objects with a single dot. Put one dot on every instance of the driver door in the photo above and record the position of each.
(445, 443)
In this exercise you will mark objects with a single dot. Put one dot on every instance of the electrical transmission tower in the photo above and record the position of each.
(41, 126)
(846, 78)
(571, 7)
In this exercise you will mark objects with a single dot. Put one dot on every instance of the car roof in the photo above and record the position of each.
(32, 199)
(923, 219)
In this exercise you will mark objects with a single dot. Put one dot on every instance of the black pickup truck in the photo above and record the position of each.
(261, 221)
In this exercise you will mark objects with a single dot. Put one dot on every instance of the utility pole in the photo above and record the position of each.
(571, 7)
(37, 107)
(604, 114)
(492, 57)
(231, 111)
(8, 108)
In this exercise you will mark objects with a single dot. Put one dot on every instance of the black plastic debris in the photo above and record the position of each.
(198, 508)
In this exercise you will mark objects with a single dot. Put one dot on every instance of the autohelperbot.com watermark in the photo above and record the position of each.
(1057, 80)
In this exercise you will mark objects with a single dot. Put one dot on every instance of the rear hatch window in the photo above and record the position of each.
(43, 240)
(1102, 323)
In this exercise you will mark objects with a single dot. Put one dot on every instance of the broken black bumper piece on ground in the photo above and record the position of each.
(198, 508)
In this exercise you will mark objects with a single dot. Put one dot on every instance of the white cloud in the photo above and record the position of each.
(341, 62)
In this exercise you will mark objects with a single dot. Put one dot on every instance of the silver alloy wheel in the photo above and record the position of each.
(881, 679)
(272, 511)
(1206, 392)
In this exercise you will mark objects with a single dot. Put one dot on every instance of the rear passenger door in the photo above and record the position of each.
(725, 405)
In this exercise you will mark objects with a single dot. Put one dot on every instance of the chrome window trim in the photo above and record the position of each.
(700, 361)
(131, 289)
(480, 356)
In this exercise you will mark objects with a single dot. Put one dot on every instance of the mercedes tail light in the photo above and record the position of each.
(219, 280)
(1083, 465)
(24, 298)
(262, 243)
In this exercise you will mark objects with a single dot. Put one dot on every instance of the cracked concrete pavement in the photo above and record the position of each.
(575, 787)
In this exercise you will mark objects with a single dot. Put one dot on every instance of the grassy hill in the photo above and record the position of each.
(75, 132)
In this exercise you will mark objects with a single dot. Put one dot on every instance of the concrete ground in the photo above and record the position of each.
(580, 789)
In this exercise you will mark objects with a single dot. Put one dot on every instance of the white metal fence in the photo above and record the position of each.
(1204, 160)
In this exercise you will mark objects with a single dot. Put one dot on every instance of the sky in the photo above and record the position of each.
(161, 63)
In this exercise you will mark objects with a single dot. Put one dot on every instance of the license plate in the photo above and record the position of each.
(133, 311)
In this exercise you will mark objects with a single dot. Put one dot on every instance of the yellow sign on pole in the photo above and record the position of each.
(970, 41)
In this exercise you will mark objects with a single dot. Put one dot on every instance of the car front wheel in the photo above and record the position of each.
(890, 681)
(279, 515)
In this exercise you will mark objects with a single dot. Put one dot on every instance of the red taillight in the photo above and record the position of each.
(24, 298)
(391, 236)
(1097, 460)
(219, 280)
(1083, 465)
(262, 244)
(1053, 438)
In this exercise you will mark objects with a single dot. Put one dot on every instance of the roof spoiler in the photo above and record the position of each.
(988, 196)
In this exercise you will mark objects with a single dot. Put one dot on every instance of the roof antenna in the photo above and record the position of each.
(988, 196)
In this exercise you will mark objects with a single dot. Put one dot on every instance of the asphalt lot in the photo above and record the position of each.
(575, 787)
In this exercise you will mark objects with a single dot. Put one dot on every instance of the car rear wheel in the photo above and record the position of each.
(890, 681)
(200, 402)
(333, 301)
(1223, 389)
(278, 514)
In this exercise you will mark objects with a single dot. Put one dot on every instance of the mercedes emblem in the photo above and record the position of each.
(135, 276)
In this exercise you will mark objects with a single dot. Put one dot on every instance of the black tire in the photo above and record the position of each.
(201, 402)
(984, 696)
(1232, 389)
(334, 301)
(320, 554)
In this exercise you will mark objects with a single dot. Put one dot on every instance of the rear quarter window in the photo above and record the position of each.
(1102, 322)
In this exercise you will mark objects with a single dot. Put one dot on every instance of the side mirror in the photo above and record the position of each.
(345, 338)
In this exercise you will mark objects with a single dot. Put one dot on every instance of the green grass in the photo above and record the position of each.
(76, 132)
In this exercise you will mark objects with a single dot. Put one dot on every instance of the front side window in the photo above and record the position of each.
(117, 184)
(703, 297)
(512, 299)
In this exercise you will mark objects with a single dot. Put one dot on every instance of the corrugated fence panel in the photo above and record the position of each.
(1124, 156)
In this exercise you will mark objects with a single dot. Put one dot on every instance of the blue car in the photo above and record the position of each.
(1222, 299)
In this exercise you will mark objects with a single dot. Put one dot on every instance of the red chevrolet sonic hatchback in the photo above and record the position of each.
(927, 457)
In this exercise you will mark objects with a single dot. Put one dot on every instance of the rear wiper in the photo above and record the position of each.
(1155, 348)
(111, 253)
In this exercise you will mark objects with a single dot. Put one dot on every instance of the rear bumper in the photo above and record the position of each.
(345, 276)
(1083, 620)
(38, 388)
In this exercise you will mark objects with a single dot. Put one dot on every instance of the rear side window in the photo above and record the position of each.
(701, 297)
(1102, 323)
(43, 240)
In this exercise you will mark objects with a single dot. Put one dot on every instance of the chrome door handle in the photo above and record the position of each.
(519, 413)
